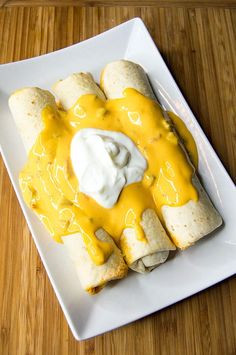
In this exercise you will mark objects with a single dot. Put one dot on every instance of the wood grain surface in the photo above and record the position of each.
(129, 3)
(198, 43)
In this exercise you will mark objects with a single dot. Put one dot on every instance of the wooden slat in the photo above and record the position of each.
(199, 48)
(133, 3)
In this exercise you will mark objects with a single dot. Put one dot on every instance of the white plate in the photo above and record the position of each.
(203, 265)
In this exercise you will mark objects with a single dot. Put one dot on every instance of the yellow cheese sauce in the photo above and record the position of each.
(51, 188)
(186, 137)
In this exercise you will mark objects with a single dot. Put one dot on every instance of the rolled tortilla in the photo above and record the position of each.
(143, 257)
(94, 277)
(192, 221)
(26, 106)
(70, 89)
(140, 256)
(117, 76)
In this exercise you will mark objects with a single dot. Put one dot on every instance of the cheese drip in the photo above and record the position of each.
(186, 137)
(50, 187)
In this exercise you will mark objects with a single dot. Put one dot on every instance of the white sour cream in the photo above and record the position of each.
(104, 162)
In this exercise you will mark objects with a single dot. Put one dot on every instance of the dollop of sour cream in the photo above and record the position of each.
(104, 162)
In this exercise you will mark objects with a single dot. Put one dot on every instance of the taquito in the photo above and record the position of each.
(26, 106)
(193, 220)
(140, 256)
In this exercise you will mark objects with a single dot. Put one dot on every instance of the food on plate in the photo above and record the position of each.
(108, 175)
(74, 86)
(186, 222)
(26, 106)
(140, 254)
(31, 102)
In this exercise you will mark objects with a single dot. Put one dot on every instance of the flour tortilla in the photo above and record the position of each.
(94, 277)
(145, 256)
(70, 89)
(188, 223)
(26, 106)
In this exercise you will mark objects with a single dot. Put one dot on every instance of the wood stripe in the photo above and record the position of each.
(199, 48)
(130, 3)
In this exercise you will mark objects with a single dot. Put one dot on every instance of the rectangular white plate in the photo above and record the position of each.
(203, 265)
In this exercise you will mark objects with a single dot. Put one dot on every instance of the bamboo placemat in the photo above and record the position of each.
(197, 40)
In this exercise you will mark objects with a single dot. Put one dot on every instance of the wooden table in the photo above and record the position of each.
(197, 40)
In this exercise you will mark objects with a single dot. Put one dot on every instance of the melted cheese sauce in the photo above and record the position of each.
(186, 137)
(51, 189)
